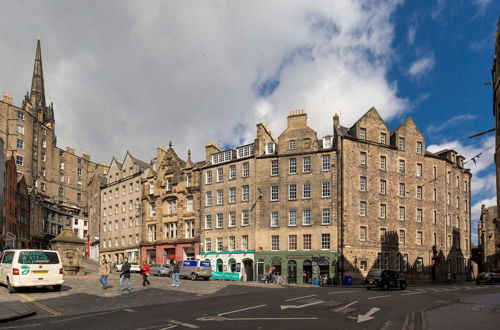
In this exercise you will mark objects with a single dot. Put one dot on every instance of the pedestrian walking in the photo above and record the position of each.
(145, 273)
(104, 272)
(125, 275)
(175, 274)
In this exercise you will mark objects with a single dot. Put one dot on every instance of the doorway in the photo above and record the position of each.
(248, 270)
(307, 269)
(292, 271)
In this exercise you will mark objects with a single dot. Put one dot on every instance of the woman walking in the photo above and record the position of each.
(104, 272)
(145, 273)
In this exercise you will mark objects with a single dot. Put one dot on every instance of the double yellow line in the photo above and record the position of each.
(36, 303)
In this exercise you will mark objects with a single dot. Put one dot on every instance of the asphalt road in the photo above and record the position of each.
(296, 308)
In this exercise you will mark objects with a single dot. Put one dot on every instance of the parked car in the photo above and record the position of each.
(195, 269)
(384, 279)
(490, 277)
(134, 267)
(160, 269)
(31, 268)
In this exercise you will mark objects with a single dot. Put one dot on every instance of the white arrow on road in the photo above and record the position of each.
(301, 306)
(368, 316)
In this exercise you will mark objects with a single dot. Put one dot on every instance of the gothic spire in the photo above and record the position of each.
(37, 94)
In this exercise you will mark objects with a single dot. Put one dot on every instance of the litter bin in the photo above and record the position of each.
(347, 280)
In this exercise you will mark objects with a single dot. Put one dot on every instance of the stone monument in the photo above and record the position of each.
(71, 249)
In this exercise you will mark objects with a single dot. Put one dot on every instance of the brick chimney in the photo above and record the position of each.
(297, 119)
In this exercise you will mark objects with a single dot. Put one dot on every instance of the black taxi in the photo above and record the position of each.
(384, 279)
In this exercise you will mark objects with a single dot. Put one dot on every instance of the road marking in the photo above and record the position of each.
(82, 316)
(240, 310)
(184, 324)
(368, 316)
(36, 303)
(313, 295)
(376, 297)
(130, 310)
(169, 327)
(301, 306)
(209, 318)
(22, 326)
(342, 292)
(411, 294)
(420, 290)
(341, 308)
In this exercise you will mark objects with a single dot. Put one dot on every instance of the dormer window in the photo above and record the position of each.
(419, 147)
(270, 148)
(383, 138)
(292, 145)
(401, 145)
(362, 133)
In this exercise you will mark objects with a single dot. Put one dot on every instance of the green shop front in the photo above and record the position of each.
(231, 265)
(301, 267)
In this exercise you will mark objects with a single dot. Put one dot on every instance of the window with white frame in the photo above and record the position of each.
(292, 166)
(220, 197)
(20, 144)
(420, 264)
(274, 219)
(362, 208)
(383, 233)
(170, 230)
(208, 198)
(325, 163)
(448, 220)
(220, 246)
(274, 193)
(244, 217)
(420, 192)
(61, 165)
(208, 177)
(220, 174)
(20, 129)
(189, 229)
(306, 241)
(292, 242)
(362, 233)
(232, 219)
(402, 236)
(190, 204)
(383, 211)
(172, 207)
(292, 218)
(419, 237)
(208, 244)
(325, 219)
(306, 217)
(401, 144)
(220, 220)
(79, 171)
(401, 166)
(448, 199)
(325, 241)
(245, 170)
(419, 215)
(244, 242)
(402, 213)
(306, 166)
(61, 191)
(306, 190)
(402, 189)
(245, 193)
(152, 210)
(232, 195)
(275, 243)
(208, 221)
(419, 147)
(419, 170)
(362, 133)
(383, 163)
(61, 178)
(152, 233)
(292, 192)
(270, 148)
(20, 115)
(362, 159)
(231, 243)
(362, 183)
(292, 145)
(383, 187)
(383, 138)
(325, 189)
(274, 167)
(232, 172)
(44, 143)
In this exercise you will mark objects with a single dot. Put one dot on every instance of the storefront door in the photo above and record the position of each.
(307, 269)
(292, 271)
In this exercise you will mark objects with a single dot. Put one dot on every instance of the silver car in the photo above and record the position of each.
(160, 269)
(195, 269)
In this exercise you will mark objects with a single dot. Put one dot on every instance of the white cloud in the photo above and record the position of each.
(128, 75)
(438, 8)
(457, 120)
(476, 207)
(482, 6)
(421, 66)
(412, 32)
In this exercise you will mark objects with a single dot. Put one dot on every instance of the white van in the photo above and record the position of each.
(25, 268)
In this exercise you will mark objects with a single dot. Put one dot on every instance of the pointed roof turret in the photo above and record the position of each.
(189, 163)
(37, 94)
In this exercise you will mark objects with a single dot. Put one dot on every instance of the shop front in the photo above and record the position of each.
(231, 265)
(169, 252)
(301, 267)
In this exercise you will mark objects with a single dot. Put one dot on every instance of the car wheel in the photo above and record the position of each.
(368, 288)
(385, 287)
(193, 277)
(206, 278)
(402, 286)
(10, 288)
(57, 288)
(159, 274)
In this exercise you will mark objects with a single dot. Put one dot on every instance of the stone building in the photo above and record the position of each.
(487, 233)
(96, 182)
(22, 214)
(272, 203)
(170, 204)
(10, 204)
(2, 194)
(121, 219)
(57, 175)
(402, 207)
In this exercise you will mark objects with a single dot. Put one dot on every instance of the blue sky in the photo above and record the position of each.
(128, 76)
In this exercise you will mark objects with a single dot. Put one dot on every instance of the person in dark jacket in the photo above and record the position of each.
(125, 275)
(175, 274)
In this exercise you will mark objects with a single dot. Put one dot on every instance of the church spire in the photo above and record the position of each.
(37, 94)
